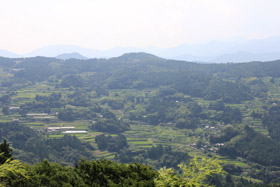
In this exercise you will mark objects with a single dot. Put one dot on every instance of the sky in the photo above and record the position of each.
(104, 24)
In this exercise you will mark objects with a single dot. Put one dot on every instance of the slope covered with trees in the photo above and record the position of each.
(142, 108)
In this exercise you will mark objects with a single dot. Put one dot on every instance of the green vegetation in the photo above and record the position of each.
(194, 174)
(103, 173)
(32, 147)
(141, 108)
(253, 146)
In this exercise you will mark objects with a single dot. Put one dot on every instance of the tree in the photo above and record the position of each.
(194, 174)
(109, 173)
(11, 169)
(5, 110)
(185, 123)
(52, 174)
(72, 80)
(218, 105)
(5, 152)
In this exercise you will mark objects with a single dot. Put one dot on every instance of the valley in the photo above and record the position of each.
(145, 109)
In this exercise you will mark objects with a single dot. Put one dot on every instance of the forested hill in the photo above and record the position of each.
(140, 71)
(132, 66)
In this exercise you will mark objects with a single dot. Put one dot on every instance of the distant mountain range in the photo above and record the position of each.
(5, 53)
(236, 50)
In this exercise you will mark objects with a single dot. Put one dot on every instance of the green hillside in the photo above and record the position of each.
(145, 109)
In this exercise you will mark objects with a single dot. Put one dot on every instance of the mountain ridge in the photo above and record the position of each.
(214, 51)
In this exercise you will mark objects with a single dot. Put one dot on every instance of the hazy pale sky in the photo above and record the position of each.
(102, 24)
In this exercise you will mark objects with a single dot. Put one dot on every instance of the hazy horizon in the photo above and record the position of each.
(102, 25)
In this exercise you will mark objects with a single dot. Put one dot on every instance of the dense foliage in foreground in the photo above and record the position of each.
(86, 173)
(199, 172)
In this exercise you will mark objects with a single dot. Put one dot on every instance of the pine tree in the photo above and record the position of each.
(5, 152)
